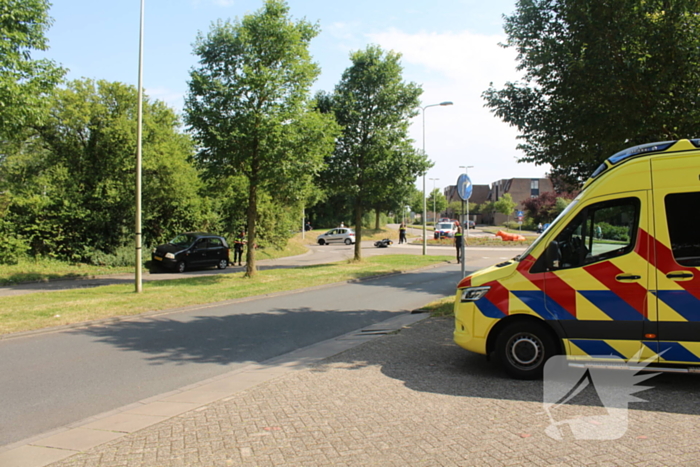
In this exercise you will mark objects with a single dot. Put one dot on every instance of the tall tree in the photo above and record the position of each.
(25, 83)
(505, 205)
(374, 158)
(249, 108)
(72, 180)
(437, 202)
(600, 76)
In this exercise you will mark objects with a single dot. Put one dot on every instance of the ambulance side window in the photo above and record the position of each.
(684, 227)
(601, 231)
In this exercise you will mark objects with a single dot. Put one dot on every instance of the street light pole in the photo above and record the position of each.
(433, 195)
(139, 133)
(425, 238)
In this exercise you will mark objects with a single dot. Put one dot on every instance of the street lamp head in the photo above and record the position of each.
(446, 103)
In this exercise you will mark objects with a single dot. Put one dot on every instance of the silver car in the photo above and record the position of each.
(340, 234)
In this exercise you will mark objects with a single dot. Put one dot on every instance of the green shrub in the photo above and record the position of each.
(513, 225)
(124, 256)
(12, 249)
(612, 232)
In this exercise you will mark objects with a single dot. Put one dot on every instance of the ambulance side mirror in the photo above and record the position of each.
(552, 256)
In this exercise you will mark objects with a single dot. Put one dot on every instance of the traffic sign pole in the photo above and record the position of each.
(464, 190)
(463, 248)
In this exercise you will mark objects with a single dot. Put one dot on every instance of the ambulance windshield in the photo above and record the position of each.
(554, 223)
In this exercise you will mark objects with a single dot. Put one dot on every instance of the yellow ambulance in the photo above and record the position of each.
(615, 276)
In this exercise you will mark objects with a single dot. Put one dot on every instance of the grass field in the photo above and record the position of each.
(46, 269)
(478, 241)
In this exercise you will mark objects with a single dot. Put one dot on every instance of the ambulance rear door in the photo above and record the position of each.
(676, 195)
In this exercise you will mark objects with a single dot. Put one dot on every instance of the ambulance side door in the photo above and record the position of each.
(598, 285)
(676, 191)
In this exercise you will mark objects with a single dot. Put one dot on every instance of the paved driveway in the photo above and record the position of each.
(407, 399)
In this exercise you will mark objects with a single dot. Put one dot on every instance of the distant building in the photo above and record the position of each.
(520, 189)
(479, 195)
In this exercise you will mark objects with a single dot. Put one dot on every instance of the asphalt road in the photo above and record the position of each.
(476, 258)
(52, 379)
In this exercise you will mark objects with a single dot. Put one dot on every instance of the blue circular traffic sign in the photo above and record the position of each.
(464, 187)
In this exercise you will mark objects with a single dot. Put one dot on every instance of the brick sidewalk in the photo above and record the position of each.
(410, 398)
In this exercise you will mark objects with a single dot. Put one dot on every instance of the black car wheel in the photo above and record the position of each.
(321, 241)
(180, 267)
(523, 349)
(348, 241)
(223, 264)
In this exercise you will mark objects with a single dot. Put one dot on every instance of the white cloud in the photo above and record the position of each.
(459, 67)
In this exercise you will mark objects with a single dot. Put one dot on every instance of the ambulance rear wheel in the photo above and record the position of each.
(523, 349)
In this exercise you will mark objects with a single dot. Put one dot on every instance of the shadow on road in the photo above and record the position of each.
(426, 359)
(233, 332)
(233, 338)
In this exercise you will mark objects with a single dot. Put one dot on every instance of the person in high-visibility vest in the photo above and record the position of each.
(459, 238)
(238, 244)
(402, 233)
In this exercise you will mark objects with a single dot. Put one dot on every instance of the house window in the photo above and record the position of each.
(534, 188)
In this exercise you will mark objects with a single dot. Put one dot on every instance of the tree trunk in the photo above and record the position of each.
(358, 232)
(250, 269)
(376, 219)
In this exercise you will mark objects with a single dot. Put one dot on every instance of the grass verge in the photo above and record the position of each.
(42, 310)
(441, 308)
(46, 269)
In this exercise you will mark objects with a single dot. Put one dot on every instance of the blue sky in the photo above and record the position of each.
(449, 47)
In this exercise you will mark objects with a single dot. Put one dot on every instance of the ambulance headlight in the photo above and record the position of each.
(473, 294)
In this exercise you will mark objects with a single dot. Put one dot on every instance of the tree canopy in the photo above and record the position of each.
(374, 159)
(600, 76)
(505, 205)
(70, 184)
(547, 206)
(25, 83)
(436, 203)
(249, 108)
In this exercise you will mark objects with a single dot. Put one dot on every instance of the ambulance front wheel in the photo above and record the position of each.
(523, 348)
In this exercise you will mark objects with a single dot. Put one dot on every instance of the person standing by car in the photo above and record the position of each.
(402, 233)
(238, 244)
(459, 238)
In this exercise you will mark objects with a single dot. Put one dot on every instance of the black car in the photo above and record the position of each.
(192, 250)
